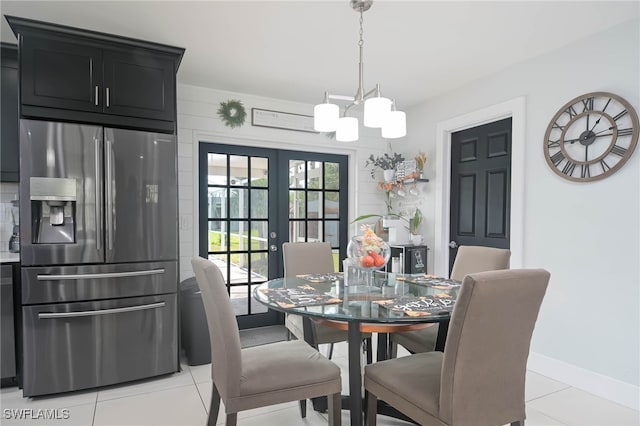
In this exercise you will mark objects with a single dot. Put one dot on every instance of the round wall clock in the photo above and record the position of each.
(591, 137)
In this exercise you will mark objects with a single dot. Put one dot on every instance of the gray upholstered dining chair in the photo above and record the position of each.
(314, 258)
(470, 259)
(479, 380)
(261, 375)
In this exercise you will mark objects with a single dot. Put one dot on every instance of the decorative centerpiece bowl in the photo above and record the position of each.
(368, 251)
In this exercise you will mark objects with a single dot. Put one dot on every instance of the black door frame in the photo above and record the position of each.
(278, 203)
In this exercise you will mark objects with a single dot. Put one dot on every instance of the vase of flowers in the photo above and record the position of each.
(421, 160)
(384, 162)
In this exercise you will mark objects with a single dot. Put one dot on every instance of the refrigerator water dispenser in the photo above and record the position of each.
(53, 210)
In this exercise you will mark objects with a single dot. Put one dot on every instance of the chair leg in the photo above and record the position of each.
(214, 406)
(330, 351)
(303, 408)
(372, 408)
(232, 419)
(335, 409)
(369, 348)
(393, 351)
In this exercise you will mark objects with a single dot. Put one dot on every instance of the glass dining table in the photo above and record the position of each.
(382, 303)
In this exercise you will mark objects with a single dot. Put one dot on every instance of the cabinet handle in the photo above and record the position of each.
(107, 97)
(46, 277)
(97, 91)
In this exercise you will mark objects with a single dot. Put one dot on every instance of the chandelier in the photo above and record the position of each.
(379, 112)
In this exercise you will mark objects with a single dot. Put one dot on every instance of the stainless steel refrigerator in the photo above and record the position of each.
(99, 255)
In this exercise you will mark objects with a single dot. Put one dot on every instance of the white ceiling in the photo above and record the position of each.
(296, 50)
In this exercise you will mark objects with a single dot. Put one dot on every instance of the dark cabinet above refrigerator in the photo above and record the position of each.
(9, 169)
(85, 76)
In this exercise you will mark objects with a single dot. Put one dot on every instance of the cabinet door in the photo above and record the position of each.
(139, 85)
(10, 161)
(62, 75)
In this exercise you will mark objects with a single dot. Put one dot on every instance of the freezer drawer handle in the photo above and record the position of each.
(97, 276)
(45, 315)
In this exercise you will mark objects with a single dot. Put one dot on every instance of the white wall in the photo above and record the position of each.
(587, 235)
(198, 121)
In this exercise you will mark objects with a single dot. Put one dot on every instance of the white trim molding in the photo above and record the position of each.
(515, 109)
(597, 384)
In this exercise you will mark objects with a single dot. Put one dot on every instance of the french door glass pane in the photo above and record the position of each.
(259, 235)
(296, 174)
(314, 205)
(256, 307)
(259, 203)
(217, 169)
(239, 172)
(332, 232)
(217, 203)
(297, 204)
(331, 175)
(297, 231)
(259, 266)
(314, 174)
(314, 230)
(238, 203)
(217, 236)
(332, 204)
(259, 172)
(239, 295)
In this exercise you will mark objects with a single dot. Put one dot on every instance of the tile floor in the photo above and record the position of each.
(182, 399)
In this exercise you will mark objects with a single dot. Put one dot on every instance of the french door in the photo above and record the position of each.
(251, 200)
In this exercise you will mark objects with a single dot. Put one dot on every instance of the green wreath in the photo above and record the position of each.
(232, 113)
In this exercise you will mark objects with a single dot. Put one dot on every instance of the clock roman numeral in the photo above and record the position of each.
(553, 144)
(557, 126)
(619, 150)
(572, 112)
(625, 132)
(587, 104)
(604, 165)
(620, 115)
(568, 168)
(606, 105)
(585, 171)
(557, 158)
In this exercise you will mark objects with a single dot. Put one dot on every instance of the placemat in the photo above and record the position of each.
(419, 306)
(434, 281)
(321, 278)
(294, 297)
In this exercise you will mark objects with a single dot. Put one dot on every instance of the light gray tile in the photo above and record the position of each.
(175, 380)
(176, 406)
(537, 385)
(201, 373)
(12, 398)
(572, 406)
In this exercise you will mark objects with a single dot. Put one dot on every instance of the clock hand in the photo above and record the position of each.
(597, 135)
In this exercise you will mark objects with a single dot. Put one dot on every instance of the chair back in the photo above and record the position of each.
(226, 362)
(485, 356)
(307, 258)
(472, 259)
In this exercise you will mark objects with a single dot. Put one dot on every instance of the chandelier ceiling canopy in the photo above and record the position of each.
(379, 112)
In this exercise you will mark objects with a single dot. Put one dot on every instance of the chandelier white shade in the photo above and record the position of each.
(347, 130)
(325, 117)
(395, 125)
(378, 111)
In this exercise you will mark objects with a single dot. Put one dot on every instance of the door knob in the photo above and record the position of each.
(453, 244)
(273, 247)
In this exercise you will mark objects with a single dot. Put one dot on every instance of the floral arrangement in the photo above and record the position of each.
(383, 162)
(369, 252)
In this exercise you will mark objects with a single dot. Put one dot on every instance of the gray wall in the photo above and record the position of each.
(587, 235)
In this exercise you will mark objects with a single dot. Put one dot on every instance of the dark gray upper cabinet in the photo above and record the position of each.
(9, 152)
(85, 76)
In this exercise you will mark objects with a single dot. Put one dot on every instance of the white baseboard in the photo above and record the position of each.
(600, 385)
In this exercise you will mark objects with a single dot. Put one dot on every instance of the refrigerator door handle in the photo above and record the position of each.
(109, 186)
(98, 195)
(46, 315)
(61, 277)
